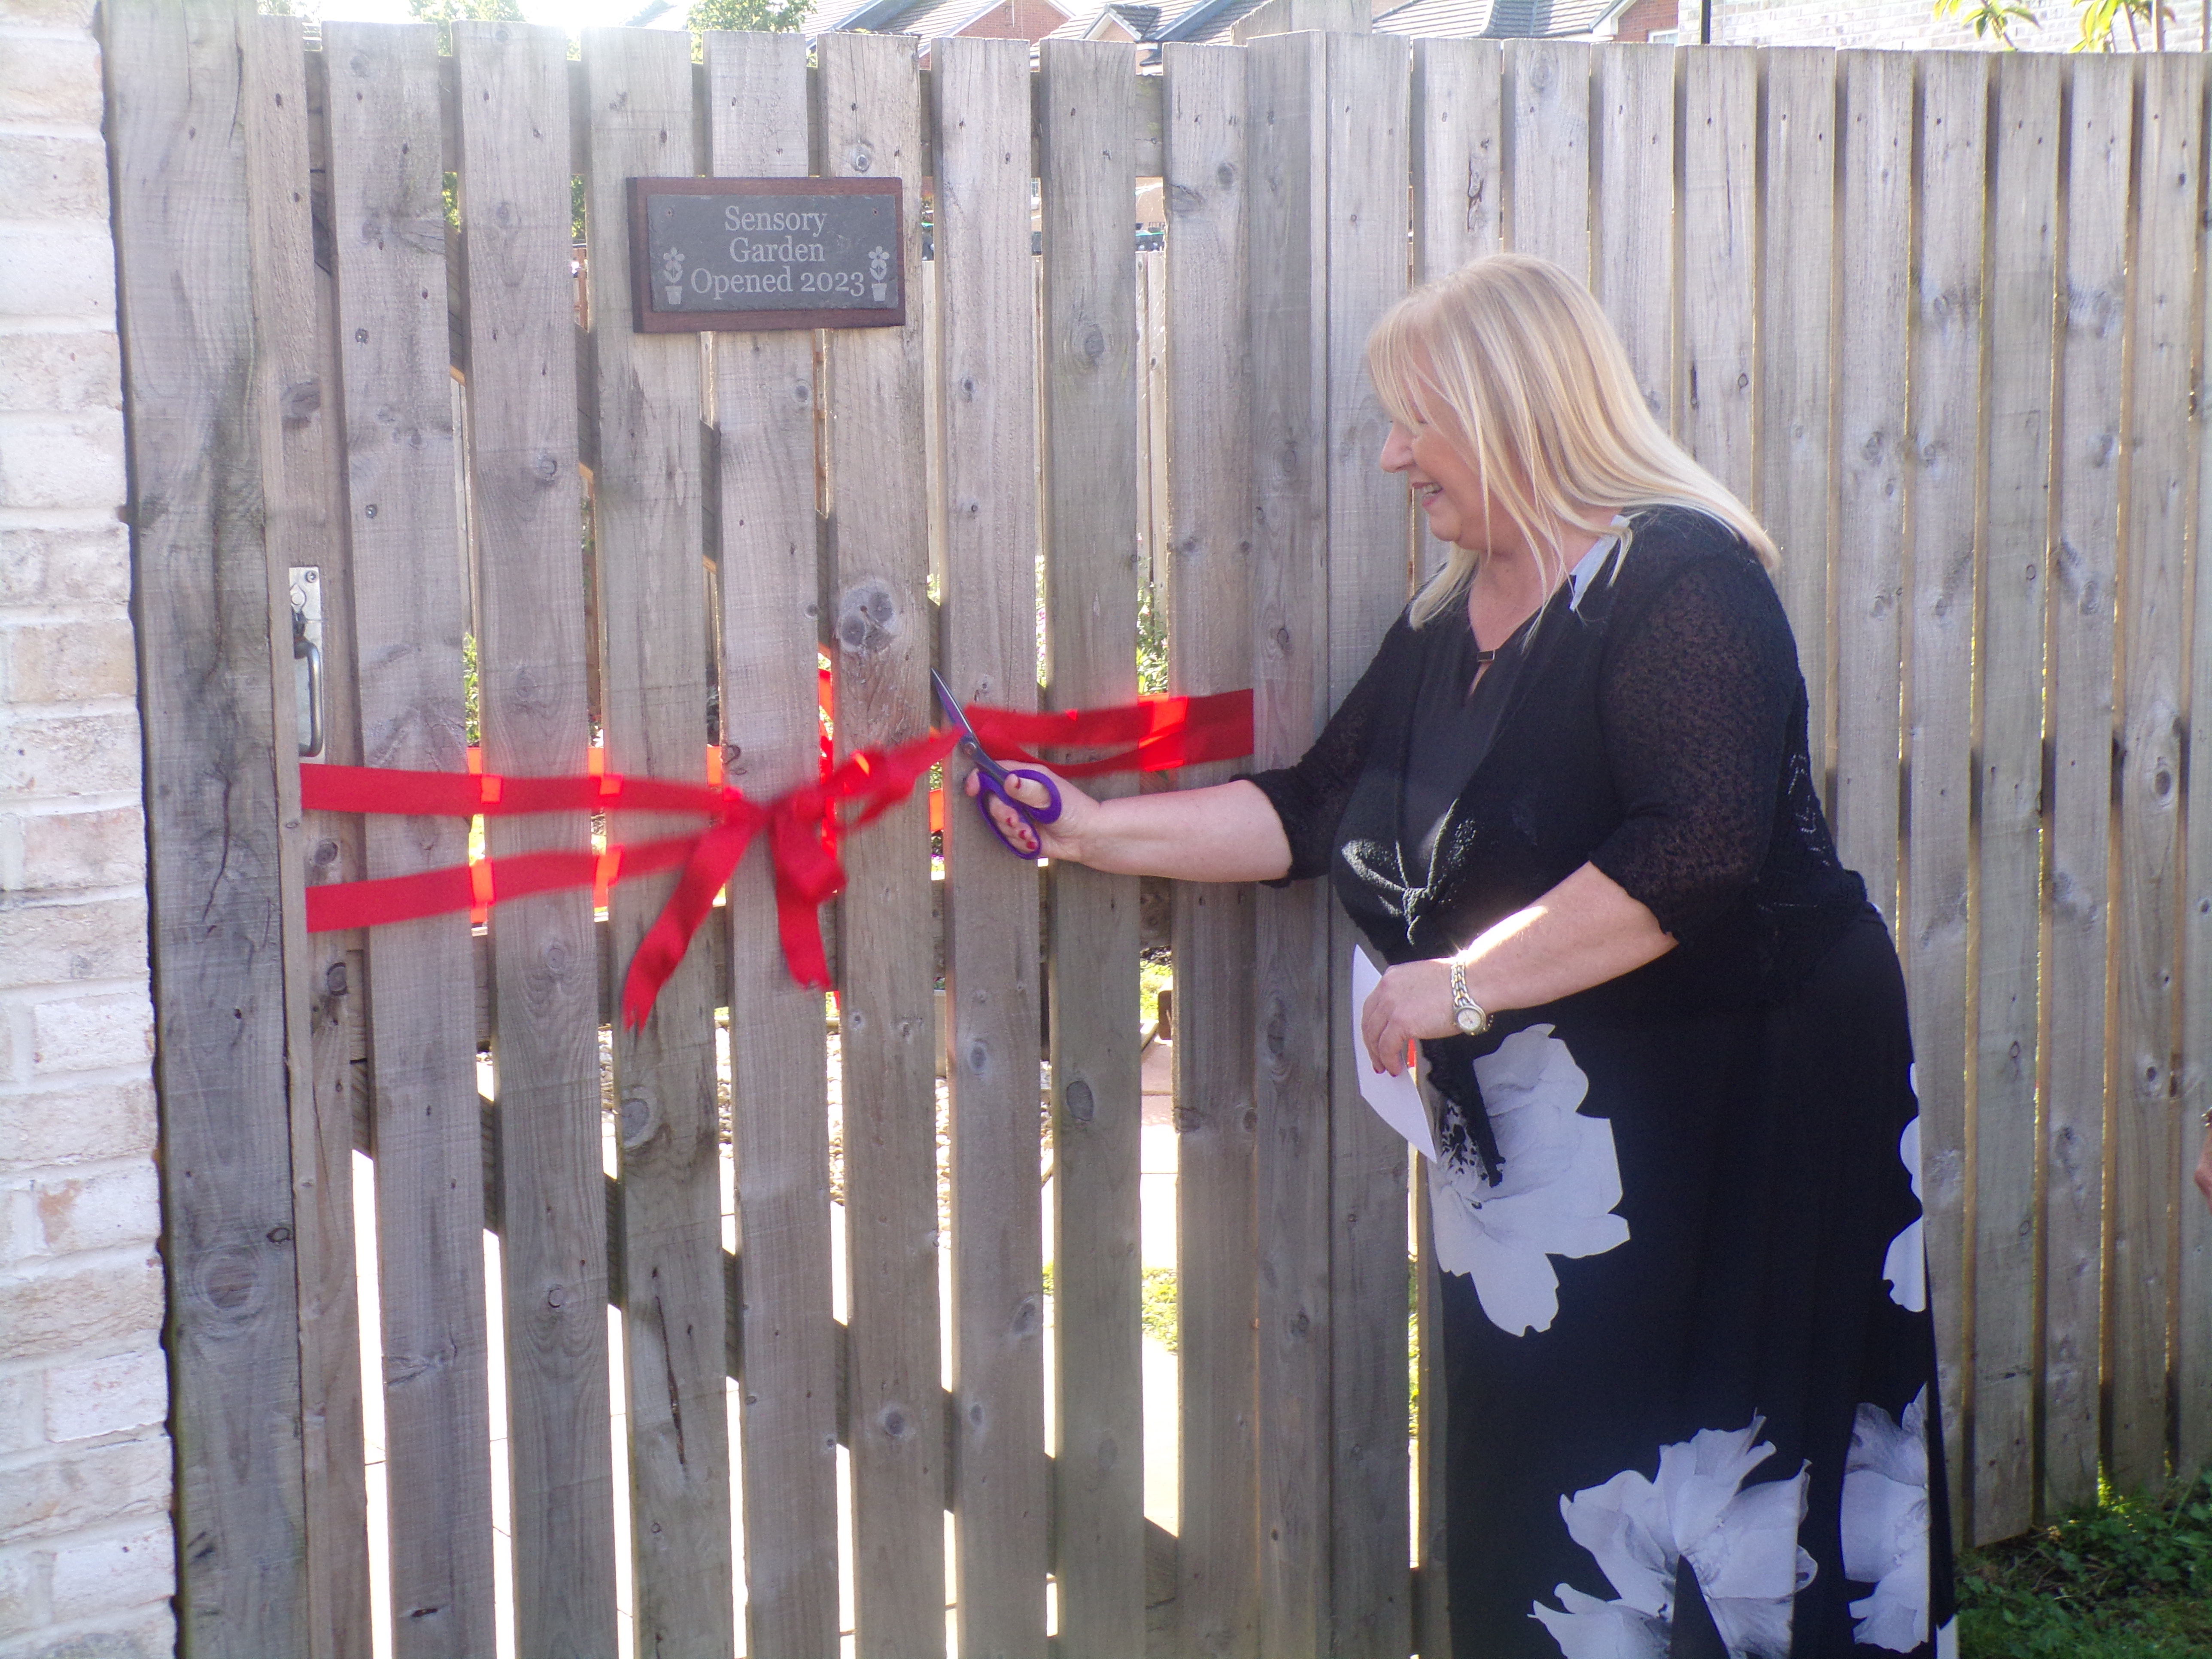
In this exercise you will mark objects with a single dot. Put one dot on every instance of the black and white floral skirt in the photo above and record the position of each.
(1691, 1367)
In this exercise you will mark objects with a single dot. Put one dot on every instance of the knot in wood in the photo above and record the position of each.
(868, 618)
(1082, 1104)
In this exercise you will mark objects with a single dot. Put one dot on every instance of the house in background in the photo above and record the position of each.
(1652, 21)
(997, 20)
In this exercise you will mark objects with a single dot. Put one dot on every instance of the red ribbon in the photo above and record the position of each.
(802, 826)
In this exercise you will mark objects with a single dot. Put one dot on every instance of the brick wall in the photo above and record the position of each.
(86, 1552)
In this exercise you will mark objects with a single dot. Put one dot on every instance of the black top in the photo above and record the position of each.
(1655, 727)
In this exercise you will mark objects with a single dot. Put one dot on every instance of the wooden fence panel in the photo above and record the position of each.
(649, 538)
(184, 232)
(765, 402)
(1633, 205)
(1720, 256)
(388, 216)
(299, 491)
(2083, 608)
(1794, 500)
(2161, 450)
(1944, 477)
(2021, 314)
(871, 125)
(986, 334)
(1875, 225)
(1091, 454)
(514, 197)
(1290, 699)
(1210, 650)
(1548, 151)
(1369, 540)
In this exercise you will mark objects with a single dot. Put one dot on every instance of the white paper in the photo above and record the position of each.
(1396, 1100)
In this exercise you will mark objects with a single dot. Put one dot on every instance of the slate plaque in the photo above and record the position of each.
(714, 254)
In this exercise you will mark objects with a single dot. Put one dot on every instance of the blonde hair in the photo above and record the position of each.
(1513, 359)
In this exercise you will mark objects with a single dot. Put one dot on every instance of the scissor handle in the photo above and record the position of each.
(991, 781)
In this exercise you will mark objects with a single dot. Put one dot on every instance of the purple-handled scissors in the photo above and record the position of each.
(992, 779)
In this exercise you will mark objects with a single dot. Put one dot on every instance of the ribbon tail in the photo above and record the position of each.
(807, 873)
(706, 872)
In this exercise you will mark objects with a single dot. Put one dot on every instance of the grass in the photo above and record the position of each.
(2130, 1578)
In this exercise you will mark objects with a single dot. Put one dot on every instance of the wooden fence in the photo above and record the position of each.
(1939, 318)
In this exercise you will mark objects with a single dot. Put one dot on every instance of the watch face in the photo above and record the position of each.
(1469, 1021)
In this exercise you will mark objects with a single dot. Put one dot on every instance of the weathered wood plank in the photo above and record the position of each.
(1458, 150)
(871, 125)
(1872, 444)
(764, 399)
(1088, 334)
(299, 482)
(652, 598)
(1720, 253)
(2192, 1336)
(514, 202)
(184, 231)
(1935, 940)
(1794, 499)
(2145, 1181)
(1633, 201)
(1548, 151)
(411, 607)
(2084, 584)
(2016, 572)
(1288, 167)
(1368, 528)
(1210, 650)
(986, 336)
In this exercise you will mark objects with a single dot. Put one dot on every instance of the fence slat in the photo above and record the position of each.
(1874, 221)
(871, 102)
(2083, 607)
(1634, 203)
(388, 218)
(1369, 530)
(514, 199)
(2146, 1139)
(1720, 253)
(1797, 220)
(647, 542)
(298, 485)
(1548, 151)
(1290, 378)
(1935, 942)
(986, 287)
(2192, 1336)
(1210, 650)
(185, 313)
(1088, 334)
(764, 400)
(2021, 313)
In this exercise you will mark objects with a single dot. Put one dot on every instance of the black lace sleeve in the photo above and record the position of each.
(1309, 796)
(1695, 700)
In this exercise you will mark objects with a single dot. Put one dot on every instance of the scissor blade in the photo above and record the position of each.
(951, 705)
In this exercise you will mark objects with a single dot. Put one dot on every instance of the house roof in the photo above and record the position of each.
(1514, 20)
(1172, 20)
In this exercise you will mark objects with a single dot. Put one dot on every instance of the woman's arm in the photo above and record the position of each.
(1229, 832)
(1584, 932)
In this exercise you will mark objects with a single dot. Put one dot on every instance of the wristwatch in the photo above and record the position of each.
(1471, 1017)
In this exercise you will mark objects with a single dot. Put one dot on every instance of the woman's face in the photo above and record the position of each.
(1445, 486)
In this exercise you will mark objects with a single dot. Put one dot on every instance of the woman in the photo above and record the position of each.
(1690, 1366)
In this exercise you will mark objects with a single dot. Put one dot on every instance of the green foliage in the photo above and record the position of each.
(757, 16)
(308, 10)
(1151, 642)
(2130, 1578)
(1990, 17)
(446, 13)
(2101, 19)
(1158, 1294)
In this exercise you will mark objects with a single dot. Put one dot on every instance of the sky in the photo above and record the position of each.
(570, 15)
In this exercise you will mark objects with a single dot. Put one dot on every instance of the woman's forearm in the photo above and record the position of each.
(1228, 832)
(1584, 932)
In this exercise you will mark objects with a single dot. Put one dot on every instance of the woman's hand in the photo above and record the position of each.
(1412, 1003)
(1062, 838)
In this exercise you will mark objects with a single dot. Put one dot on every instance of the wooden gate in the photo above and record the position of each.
(1938, 318)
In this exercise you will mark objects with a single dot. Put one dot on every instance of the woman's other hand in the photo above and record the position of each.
(1062, 838)
(1412, 1003)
